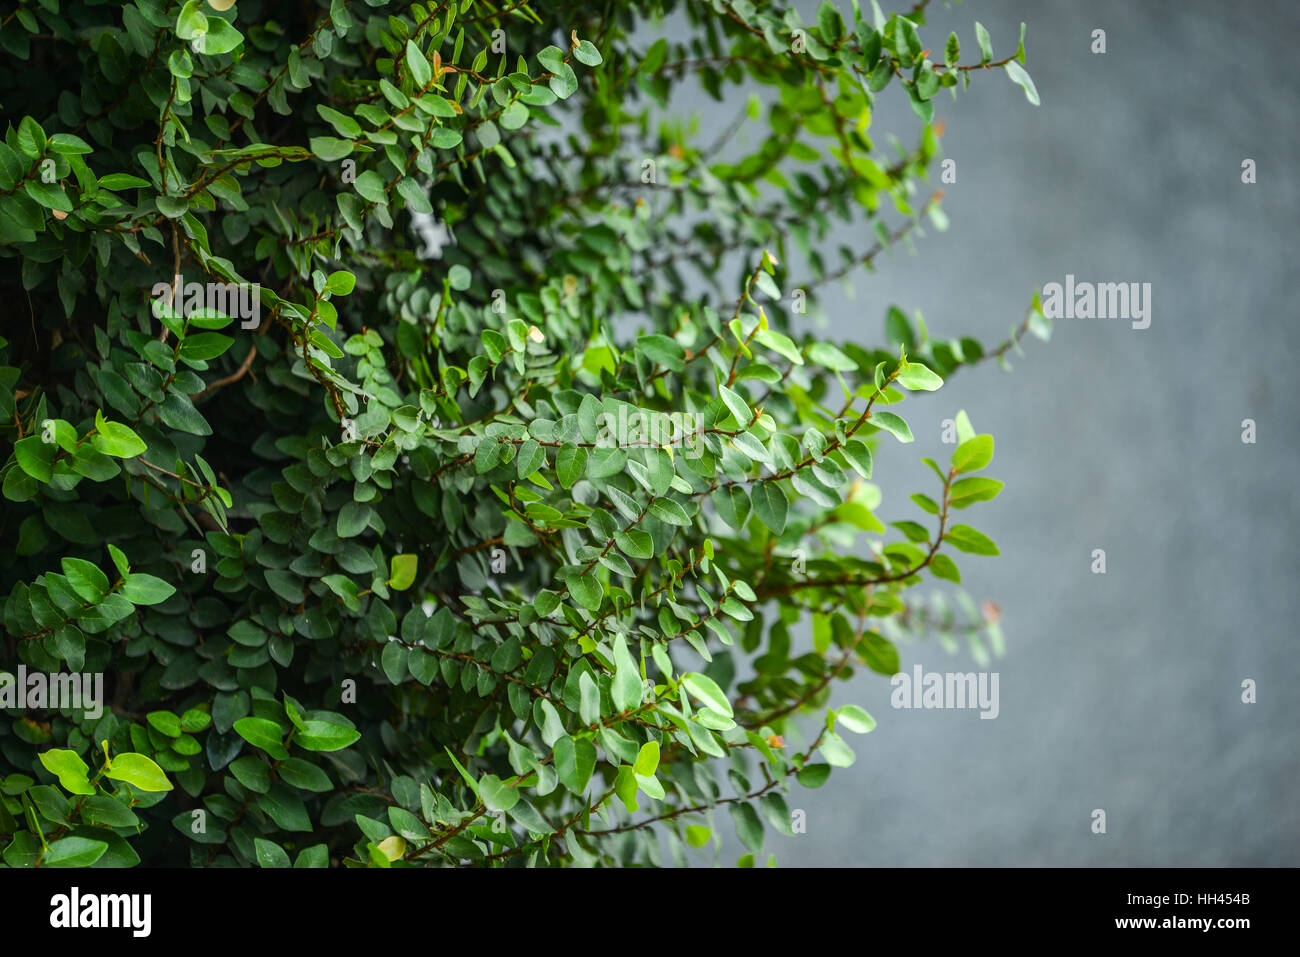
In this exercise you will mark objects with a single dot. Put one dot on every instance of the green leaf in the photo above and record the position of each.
(165, 722)
(86, 579)
(587, 54)
(421, 72)
(496, 794)
(985, 43)
(178, 412)
(173, 207)
(570, 464)
(341, 282)
(813, 775)
(221, 37)
(325, 736)
(203, 346)
(589, 703)
(892, 424)
(191, 22)
(315, 856)
(285, 808)
(142, 589)
(575, 759)
(393, 660)
(858, 454)
(74, 852)
(109, 812)
(1020, 77)
(139, 772)
(965, 431)
(669, 512)
(116, 439)
(529, 459)
(735, 405)
(749, 826)
(262, 733)
(67, 766)
(663, 351)
(194, 721)
(770, 505)
(586, 590)
(898, 329)
(705, 690)
(970, 540)
(513, 116)
(330, 148)
(354, 517)
(647, 759)
(968, 491)
(635, 543)
(270, 854)
(119, 181)
(836, 752)
(827, 355)
(779, 343)
(879, 653)
(911, 42)
(918, 378)
(625, 787)
(855, 719)
(732, 505)
(941, 566)
(551, 58)
(402, 569)
(31, 138)
(36, 457)
(973, 454)
(626, 690)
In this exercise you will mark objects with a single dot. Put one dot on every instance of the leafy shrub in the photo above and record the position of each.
(419, 431)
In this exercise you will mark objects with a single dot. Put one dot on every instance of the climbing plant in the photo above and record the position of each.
(418, 449)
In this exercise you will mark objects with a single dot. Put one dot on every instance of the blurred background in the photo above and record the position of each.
(1119, 691)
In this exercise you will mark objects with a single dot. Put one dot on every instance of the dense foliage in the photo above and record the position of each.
(423, 433)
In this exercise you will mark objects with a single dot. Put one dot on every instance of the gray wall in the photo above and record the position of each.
(1119, 691)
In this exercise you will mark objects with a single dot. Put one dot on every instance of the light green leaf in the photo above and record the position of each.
(138, 771)
(918, 378)
(973, 454)
(647, 759)
(627, 689)
(402, 569)
(855, 719)
(496, 794)
(1021, 78)
(67, 766)
(705, 690)
(892, 424)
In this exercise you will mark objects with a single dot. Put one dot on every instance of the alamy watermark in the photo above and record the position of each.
(932, 689)
(76, 910)
(1103, 300)
(238, 300)
(51, 692)
(644, 427)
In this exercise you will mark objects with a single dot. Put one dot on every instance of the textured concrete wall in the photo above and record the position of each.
(1119, 691)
